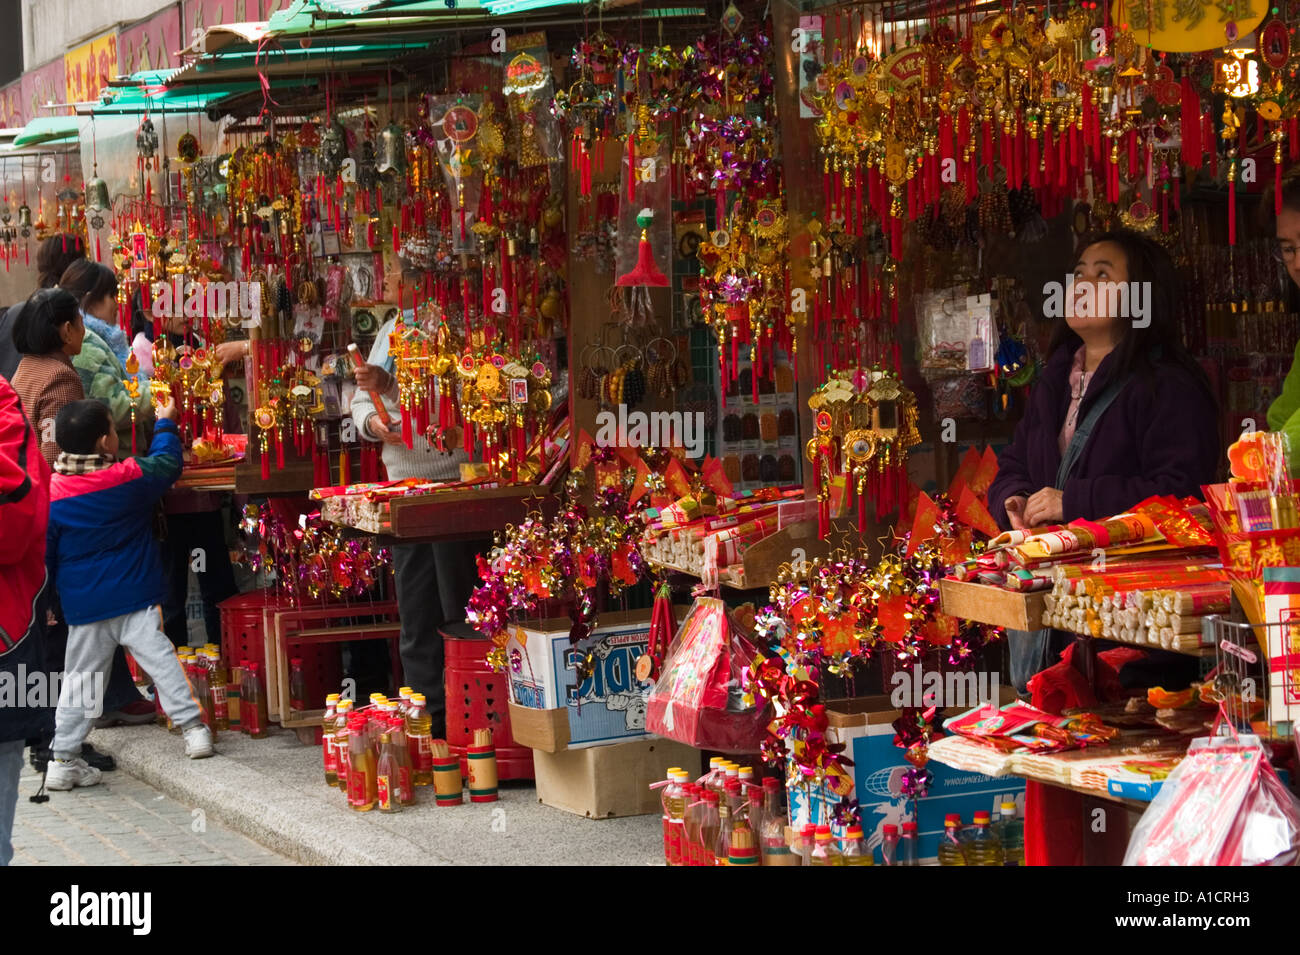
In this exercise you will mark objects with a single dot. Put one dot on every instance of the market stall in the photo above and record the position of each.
(721, 322)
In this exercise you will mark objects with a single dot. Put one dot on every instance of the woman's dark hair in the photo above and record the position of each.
(80, 424)
(1266, 216)
(88, 281)
(140, 322)
(55, 255)
(1140, 349)
(36, 329)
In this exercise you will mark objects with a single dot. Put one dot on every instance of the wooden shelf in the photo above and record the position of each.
(452, 514)
(761, 562)
(995, 606)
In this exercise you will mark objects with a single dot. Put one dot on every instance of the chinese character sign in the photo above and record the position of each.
(1190, 26)
(89, 67)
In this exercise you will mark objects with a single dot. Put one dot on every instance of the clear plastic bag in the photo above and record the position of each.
(956, 332)
(1222, 805)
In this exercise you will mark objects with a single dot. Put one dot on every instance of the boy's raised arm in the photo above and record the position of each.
(162, 465)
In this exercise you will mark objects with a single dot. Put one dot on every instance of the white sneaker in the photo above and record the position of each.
(198, 742)
(65, 774)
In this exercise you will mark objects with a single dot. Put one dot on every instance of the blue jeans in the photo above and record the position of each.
(11, 764)
(1033, 651)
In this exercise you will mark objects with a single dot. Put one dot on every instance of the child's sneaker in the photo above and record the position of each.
(198, 742)
(62, 774)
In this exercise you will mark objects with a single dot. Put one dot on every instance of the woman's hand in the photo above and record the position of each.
(227, 352)
(1044, 507)
(1016, 512)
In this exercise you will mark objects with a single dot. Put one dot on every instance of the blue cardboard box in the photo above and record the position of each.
(864, 725)
(610, 705)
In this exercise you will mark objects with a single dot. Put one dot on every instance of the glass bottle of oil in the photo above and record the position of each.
(362, 772)
(419, 725)
(387, 777)
(722, 844)
(824, 851)
(342, 742)
(297, 686)
(329, 753)
(217, 683)
(197, 671)
(253, 702)
(710, 823)
(234, 696)
(405, 771)
(950, 843)
(854, 847)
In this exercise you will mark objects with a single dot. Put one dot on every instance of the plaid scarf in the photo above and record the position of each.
(67, 463)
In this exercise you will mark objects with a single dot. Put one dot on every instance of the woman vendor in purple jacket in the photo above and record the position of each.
(1121, 411)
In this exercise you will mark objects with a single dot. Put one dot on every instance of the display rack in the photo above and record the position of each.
(981, 603)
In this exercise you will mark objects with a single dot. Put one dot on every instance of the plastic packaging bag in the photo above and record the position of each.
(698, 699)
(956, 332)
(1223, 805)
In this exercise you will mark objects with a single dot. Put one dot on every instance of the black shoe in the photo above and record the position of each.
(40, 758)
(102, 761)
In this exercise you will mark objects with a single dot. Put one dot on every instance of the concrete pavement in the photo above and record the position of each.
(273, 791)
(124, 821)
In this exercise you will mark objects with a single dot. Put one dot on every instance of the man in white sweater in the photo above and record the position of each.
(433, 579)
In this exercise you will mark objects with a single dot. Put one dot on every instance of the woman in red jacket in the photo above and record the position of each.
(24, 511)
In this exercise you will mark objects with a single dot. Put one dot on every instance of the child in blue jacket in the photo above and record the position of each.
(109, 574)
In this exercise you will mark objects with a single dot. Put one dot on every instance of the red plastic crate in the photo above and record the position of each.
(241, 626)
(243, 621)
(477, 697)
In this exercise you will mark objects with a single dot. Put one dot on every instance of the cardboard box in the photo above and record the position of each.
(545, 730)
(993, 605)
(865, 725)
(601, 782)
(610, 705)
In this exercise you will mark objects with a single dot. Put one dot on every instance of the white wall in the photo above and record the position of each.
(52, 27)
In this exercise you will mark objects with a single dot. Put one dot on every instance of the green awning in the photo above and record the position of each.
(48, 129)
(152, 97)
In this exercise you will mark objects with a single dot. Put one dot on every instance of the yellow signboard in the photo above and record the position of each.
(1189, 26)
(89, 67)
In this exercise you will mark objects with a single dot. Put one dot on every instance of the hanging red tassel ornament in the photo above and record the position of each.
(1190, 125)
(1277, 180)
(646, 271)
(1232, 198)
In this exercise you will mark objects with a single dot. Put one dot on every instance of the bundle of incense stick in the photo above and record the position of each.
(1187, 572)
(744, 847)
(482, 737)
(1170, 619)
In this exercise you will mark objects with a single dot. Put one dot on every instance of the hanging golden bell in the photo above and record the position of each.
(25, 216)
(97, 194)
(392, 149)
